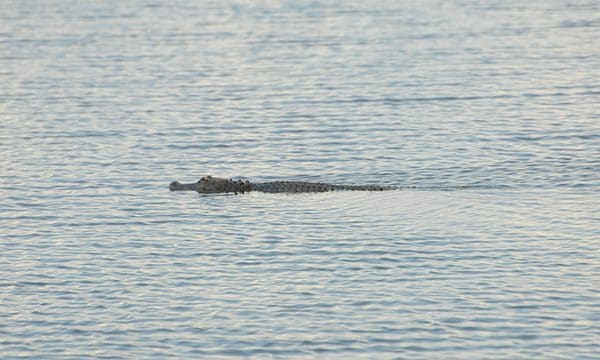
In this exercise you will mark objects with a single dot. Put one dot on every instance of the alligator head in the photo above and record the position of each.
(207, 185)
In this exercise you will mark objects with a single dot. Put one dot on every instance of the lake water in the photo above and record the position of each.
(485, 113)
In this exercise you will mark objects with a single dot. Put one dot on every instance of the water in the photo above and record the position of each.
(485, 112)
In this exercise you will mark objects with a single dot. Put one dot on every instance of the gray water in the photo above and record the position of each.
(485, 114)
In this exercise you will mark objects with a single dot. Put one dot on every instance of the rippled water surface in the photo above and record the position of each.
(486, 114)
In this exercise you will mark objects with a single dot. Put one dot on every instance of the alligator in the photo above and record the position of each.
(212, 185)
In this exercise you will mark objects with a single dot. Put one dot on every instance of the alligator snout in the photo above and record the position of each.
(175, 185)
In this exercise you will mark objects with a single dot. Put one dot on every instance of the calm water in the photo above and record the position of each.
(487, 113)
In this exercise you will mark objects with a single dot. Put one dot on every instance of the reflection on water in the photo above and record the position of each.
(484, 115)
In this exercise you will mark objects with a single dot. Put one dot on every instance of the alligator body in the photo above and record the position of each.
(212, 185)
